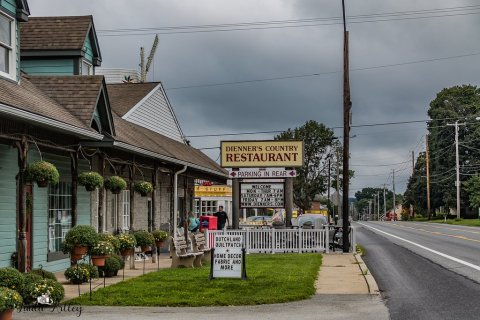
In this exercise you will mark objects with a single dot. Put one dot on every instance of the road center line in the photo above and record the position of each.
(434, 232)
(465, 263)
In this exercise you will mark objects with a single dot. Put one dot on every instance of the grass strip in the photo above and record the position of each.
(271, 279)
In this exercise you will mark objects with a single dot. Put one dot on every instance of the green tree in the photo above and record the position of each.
(460, 103)
(312, 177)
(472, 186)
(416, 192)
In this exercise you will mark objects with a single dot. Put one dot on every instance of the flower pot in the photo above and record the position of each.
(159, 244)
(99, 261)
(42, 183)
(81, 250)
(126, 252)
(6, 315)
(76, 257)
(145, 248)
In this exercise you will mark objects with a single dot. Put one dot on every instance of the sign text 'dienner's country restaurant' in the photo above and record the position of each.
(238, 154)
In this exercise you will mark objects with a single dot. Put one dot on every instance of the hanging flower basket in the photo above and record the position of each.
(80, 250)
(98, 261)
(43, 173)
(143, 187)
(115, 184)
(144, 239)
(160, 236)
(90, 180)
(127, 243)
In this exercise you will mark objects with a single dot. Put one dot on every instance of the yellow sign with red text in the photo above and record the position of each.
(259, 154)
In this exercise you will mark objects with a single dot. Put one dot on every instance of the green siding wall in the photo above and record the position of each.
(8, 204)
(10, 5)
(40, 212)
(48, 67)
(87, 47)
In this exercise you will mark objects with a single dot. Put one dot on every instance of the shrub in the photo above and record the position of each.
(80, 235)
(44, 274)
(43, 286)
(11, 278)
(115, 184)
(159, 235)
(92, 270)
(90, 180)
(127, 241)
(120, 260)
(110, 238)
(144, 238)
(143, 187)
(112, 265)
(9, 299)
(43, 172)
(102, 248)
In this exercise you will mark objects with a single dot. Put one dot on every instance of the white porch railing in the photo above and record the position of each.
(277, 240)
(282, 240)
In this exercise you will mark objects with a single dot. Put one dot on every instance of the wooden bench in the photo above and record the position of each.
(199, 244)
(181, 256)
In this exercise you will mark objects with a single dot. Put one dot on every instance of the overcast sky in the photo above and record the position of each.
(386, 94)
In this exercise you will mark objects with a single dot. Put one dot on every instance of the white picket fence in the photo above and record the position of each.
(281, 240)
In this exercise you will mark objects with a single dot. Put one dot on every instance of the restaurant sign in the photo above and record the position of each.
(271, 153)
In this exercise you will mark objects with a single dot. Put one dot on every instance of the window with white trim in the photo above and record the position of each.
(87, 68)
(59, 214)
(208, 207)
(126, 210)
(7, 46)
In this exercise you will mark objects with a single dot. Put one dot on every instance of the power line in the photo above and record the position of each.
(321, 73)
(336, 127)
(299, 23)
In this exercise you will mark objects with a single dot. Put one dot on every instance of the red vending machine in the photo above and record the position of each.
(208, 223)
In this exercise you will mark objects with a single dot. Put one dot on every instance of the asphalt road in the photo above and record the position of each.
(425, 271)
(335, 307)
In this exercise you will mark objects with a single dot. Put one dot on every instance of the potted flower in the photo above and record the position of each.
(144, 239)
(160, 236)
(127, 243)
(77, 274)
(43, 173)
(78, 240)
(90, 180)
(112, 265)
(9, 300)
(110, 238)
(143, 187)
(50, 290)
(115, 184)
(101, 251)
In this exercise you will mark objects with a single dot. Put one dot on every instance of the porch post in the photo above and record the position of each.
(132, 197)
(74, 171)
(235, 204)
(101, 195)
(154, 197)
(22, 147)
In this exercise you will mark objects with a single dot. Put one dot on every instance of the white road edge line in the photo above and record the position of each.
(465, 263)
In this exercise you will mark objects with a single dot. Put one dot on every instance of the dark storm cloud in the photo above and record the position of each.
(399, 93)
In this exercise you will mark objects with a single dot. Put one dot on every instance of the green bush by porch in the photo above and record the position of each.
(271, 279)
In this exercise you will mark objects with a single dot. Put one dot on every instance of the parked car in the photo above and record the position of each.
(317, 221)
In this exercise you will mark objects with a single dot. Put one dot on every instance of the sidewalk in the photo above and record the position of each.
(73, 290)
(344, 273)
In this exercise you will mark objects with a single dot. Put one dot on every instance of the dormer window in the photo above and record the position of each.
(7, 46)
(87, 68)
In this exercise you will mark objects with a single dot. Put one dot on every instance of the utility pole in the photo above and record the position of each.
(384, 201)
(346, 133)
(328, 192)
(413, 162)
(427, 165)
(374, 204)
(338, 185)
(457, 164)
(393, 179)
(378, 205)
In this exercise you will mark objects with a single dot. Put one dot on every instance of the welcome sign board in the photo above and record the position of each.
(262, 195)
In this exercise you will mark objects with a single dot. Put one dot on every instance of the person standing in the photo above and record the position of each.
(222, 218)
